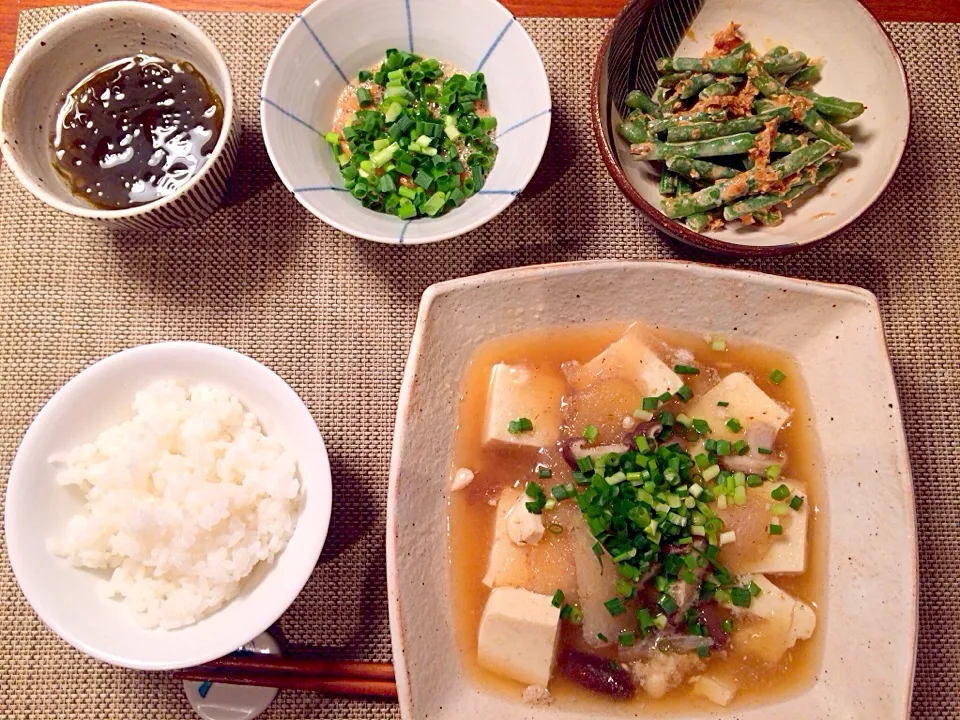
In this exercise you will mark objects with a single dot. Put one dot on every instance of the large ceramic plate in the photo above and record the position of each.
(835, 333)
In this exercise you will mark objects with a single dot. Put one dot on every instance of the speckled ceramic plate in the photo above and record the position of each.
(835, 333)
(842, 32)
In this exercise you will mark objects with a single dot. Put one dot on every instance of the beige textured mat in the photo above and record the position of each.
(333, 316)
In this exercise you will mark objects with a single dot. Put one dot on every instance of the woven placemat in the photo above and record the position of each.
(333, 316)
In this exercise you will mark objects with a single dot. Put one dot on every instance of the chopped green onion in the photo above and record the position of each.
(740, 597)
(703, 651)
(701, 426)
(602, 637)
(796, 502)
(733, 425)
(765, 451)
(515, 427)
(754, 480)
(650, 403)
(740, 447)
(332, 138)
(723, 447)
(773, 472)
(590, 433)
(576, 616)
(553, 528)
(781, 492)
(728, 625)
(364, 97)
(615, 606)
(776, 529)
(627, 638)
(557, 598)
(546, 472)
(664, 397)
(753, 588)
(722, 403)
(667, 603)
(777, 377)
(684, 393)
(686, 370)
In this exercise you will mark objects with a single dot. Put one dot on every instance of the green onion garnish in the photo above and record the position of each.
(627, 639)
(667, 603)
(557, 598)
(740, 447)
(796, 502)
(722, 403)
(684, 393)
(776, 529)
(602, 637)
(703, 651)
(765, 451)
(777, 377)
(546, 472)
(576, 616)
(740, 597)
(650, 404)
(728, 625)
(781, 492)
(733, 425)
(515, 427)
(615, 606)
(686, 370)
(590, 433)
(754, 481)
(701, 426)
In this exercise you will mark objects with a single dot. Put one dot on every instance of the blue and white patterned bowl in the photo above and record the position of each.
(332, 40)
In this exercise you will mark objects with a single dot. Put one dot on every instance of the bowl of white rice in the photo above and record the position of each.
(167, 505)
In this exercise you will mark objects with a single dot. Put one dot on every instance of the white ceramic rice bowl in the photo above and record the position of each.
(67, 598)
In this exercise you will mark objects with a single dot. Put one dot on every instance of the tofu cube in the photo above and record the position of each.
(778, 621)
(632, 359)
(507, 565)
(717, 690)
(517, 392)
(518, 635)
(788, 552)
(747, 403)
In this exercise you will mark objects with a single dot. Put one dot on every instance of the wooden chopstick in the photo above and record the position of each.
(333, 677)
(347, 687)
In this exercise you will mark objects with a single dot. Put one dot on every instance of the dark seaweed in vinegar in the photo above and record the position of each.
(135, 131)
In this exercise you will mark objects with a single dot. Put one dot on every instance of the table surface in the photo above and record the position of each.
(905, 10)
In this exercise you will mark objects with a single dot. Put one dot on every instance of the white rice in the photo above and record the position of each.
(181, 503)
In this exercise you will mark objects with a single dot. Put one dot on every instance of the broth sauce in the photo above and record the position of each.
(136, 130)
(472, 510)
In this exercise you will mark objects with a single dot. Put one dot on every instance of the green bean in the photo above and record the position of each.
(632, 132)
(749, 123)
(824, 171)
(683, 186)
(785, 143)
(664, 65)
(730, 145)
(764, 82)
(778, 51)
(655, 127)
(639, 100)
(805, 76)
(743, 184)
(785, 64)
(699, 169)
(834, 108)
(717, 89)
(733, 63)
(694, 84)
(668, 182)
(672, 79)
(698, 222)
(660, 96)
(769, 217)
(815, 123)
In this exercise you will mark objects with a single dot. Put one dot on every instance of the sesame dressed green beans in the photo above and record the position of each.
(738, 134)
(418, 142)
